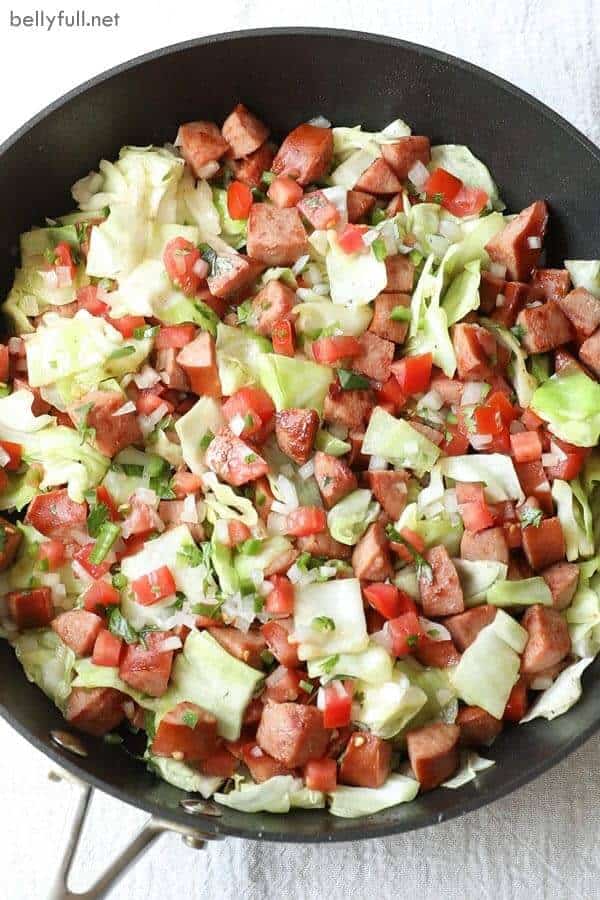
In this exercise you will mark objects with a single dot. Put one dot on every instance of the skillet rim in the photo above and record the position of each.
(210, 826)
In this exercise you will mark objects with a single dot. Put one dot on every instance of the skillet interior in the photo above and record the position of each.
(288, 76)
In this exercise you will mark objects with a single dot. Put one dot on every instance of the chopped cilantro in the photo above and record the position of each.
(306, 686)
(529, 516)
(207, 440)
(146, 331)
(119, 581)
(323, 623)
(400, 314)
(412, 640)
(330, 663)
(268, 178)
(250, 458)
(351, 381)
(190, 718)
(193, 555)
(127, 350)
(120, 627)
(518, 331)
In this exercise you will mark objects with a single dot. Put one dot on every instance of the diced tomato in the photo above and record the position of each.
(276, 633)
(531, 420)
(526, 446)
(14, 455)
(329, 350)
(413, 373)
(147, 668)
(3, 480)
(63, 259)
(388, 600)
(283, 685)
(283, 337)
(415, 542)
(254, 406)
(390, 393)
(405, 632)
(87, 298)
(239, 200)
(499, 401)
(321, 775)
(442, 185)
(306, 520)
(126, 325)
(500, 443)
(108, 649)
(280, 601)
(4, 363)
(284, 192)
(31, 609)
(238, 532)
(318, 210)
(337, 705)
(180, 258)
(350, 238)
(96, 570)
(184, 483)
(476, 516)
(147, 402)
(174, 336)
(455, 442)
(488, 420)
(516, 706)
(570, 467)
(100, 594)
(54, 553)
(469, 201)
(155, 586)
(55, 511)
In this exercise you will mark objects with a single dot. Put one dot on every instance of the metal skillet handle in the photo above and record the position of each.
(152, 829)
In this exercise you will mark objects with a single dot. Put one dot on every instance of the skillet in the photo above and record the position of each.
(288, 76)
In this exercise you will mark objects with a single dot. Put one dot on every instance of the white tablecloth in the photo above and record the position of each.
(542, 841)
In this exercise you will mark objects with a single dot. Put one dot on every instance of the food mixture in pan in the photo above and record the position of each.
(297, 449)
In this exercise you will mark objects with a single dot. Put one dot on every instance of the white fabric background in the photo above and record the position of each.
(542, 841)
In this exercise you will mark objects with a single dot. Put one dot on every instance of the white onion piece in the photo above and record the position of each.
(497, 270)
(377, 463)
(300, 264)
(149, 423)
(320, 122)
(480, 441)
(558, 451)
(276, 676)
(147, 496)
(441, 633)
(534, 242)
(125, 409)
(282, 509)
(307, 470)
(321, 699)
(500, 300)
(222, 532)
(189, 512)
(383, 638)
(276, 524)
(450, 501)
(431, 400)
(237, 424)
(473, 392)
(286, 488)
(550, 459)
(449, 230)
(418, 174)
(201, 268)
(170, 643)
(4, 457)
(146, 378)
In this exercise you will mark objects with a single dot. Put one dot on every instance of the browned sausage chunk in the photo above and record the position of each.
(232, 274)
(379, 179)
(244, 645)
(334, 477)
(78, 629)
(433, 753)
(295, 430)
(232, 459)
(477, 727)
(198, 359)
(201, 143)
(324, 545)
(465, 627)
(589, 353)
(169, 370)
(582, 309)
(550, 284)
(534, 483)
(305, 154)
(405, 152)
(562, 580)
(96, 710)
(274, 302)
(400, 274)
(488, 544)
(111, 433)
(390, 488)
(515, 296)
(511, 246)
(440, 592)
(276, 237)
(544, 544)
(292, 733)
(437, 654)
(366, 761)
(348, 408)
(449, 389)
(549, 640)
(262, 766)
(371, 558)
(250, 170)
(243, 132)
(544, 327)
(381, 323)
(475, 350)
(432, 434)
(10, 544)
(187, 732)
(375, 357)
(490, 287)
(359, 204)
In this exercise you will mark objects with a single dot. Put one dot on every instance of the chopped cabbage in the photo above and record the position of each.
(17, 421)
(222, 502)
(585, 273)
(89, 675)
(523, 382)
(239, 351)
(205, 416)
(346, 140)
(349, 519)
(462, 296)
(317, 607)
(575, 517)
(349, 171)
(184, 777)
(313, 317)
(292, 382)
(372, 666)
(354, 278)
(495, 470)
(459, 161)
(477, 577)
(560, 696)
(522, 592)
(428, 331)
(250, 565)
(66, 460)
(233, 231)
(570, 403)
(470, 766)
(388, 707)
(352, 802)
(398, 443)
(275, 795)
(47, 662)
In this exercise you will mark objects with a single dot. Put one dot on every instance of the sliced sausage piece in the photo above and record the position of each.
(244, 132)
(187, 732)
(564, 360)
(55, 514)
(170, 371)
(250, 170)
(201, 143)
(390, 488)
(433, 753)
(440, 592)
(232, 274)
(244, 645)
(276, 633)
(78, 629)
(582, 309)
(95, 711)
(381, 323)
(367, 761)
(465, 627)
(544, 327)
(515, 296)
(198, 359)
(400, 274)
(172, 514)
(233, 460)
(281, 563)
(274, 302)
(477, 727)
(379, 179)
(490, 287)
(295, 430)
(359, 205)
(371, 558)
(550, 284)
(402, 154)
(375, 357)
(148, 668)
(276, 237)
(562, 579)
(432, 434)
(487, 544)
(292, 733)
(534, 482)
(111, 433)
(324, 545)
(474, 352)
(437, 654)
(10, 544)
(548, 642)
(510, 247)
(305, 154)
(348, 408)
(544, 544)
(589, 353)
(334, 478)
(449, 389)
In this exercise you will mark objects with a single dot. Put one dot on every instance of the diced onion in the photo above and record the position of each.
(377, 463)
(4, 457)
(449, 230)
(306, 294)
(320, 122)
(170, 643)
(146, 378)
(321, 289)
(285, 487)
(146, 495)
(189, 512)
(383, 638)
(418, 174)
(321, 699)
(283, 509)
(149, 423)
(307, 470)
(369, 237)
(300, 264)
(500, 300)
(276, 524)
(449, 500)
(431, 400)
(441, 633)
(201, 268)
(472, 393)
(534, 242)
(221, 532)
(558, 451)
(125, 409)
(497, 270)
(550, 459)
(480, 441)
(15, 346)
(237, 424)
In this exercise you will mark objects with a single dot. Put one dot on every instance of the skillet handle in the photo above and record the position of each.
(150, 832)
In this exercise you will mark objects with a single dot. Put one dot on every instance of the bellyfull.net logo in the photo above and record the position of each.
(41, 20)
